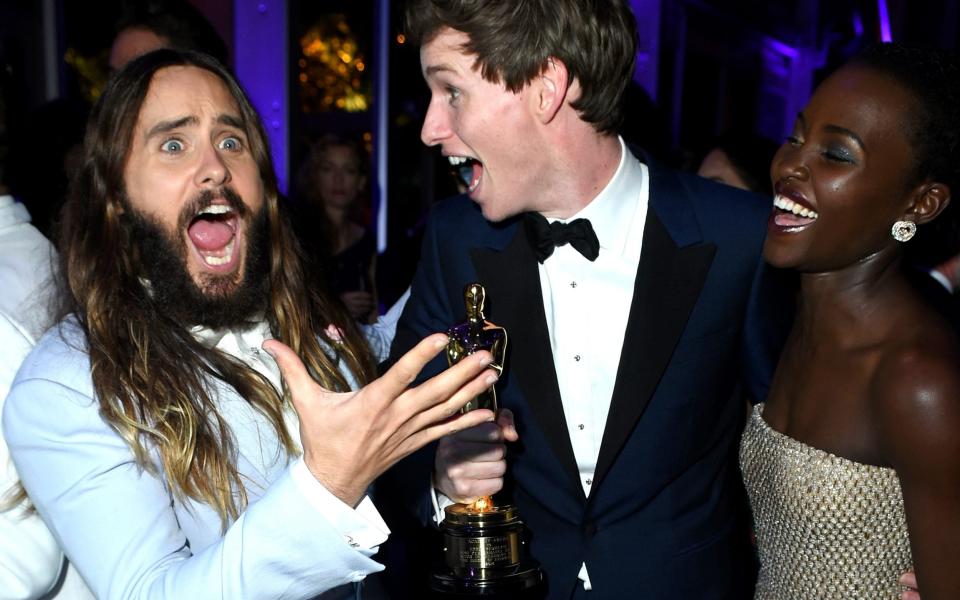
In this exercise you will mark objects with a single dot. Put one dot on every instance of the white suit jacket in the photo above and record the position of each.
(126, 532)
(31, 564)
(26, 261)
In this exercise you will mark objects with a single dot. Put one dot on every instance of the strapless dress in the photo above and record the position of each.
(826, 526)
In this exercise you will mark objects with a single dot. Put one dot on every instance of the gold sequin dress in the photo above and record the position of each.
(826, 527)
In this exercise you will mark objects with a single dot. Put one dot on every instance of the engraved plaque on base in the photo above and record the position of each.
(484, 548)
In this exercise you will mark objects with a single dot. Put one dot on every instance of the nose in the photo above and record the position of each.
(212, 170)
(436, 124)
(789, 161)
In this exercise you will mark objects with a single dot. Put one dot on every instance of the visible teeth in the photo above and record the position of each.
(791, 206)
(457, 160)
(216, 261)
(215, 209)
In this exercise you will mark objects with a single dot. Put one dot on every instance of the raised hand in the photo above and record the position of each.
(351, 438)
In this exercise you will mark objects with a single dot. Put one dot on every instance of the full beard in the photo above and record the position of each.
(217, 301)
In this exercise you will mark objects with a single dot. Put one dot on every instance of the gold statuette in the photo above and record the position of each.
(484, 546)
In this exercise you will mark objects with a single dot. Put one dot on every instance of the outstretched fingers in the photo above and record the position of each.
(439, 428)
(292, 370)
(396, 380)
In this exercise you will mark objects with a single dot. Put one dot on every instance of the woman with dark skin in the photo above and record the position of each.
(869, 380)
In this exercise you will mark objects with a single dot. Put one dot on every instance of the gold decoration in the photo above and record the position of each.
(332, 69)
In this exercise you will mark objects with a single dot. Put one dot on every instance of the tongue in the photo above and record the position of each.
(477, 172)
(210, 235)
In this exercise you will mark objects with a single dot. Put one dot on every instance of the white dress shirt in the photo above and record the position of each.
(587, 305)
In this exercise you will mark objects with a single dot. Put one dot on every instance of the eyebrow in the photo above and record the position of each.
(231, 120)
(168, 126)
(433, 69)
(836, 129)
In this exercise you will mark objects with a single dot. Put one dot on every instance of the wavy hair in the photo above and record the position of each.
(514, 39)
(152, 379)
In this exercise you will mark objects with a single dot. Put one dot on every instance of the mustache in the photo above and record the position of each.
(206, 198)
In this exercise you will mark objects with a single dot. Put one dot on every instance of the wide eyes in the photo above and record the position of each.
(172, 146)
(231, 143)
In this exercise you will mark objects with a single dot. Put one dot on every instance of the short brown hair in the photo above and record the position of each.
(513, 39)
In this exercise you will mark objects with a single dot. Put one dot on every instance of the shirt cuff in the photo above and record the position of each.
(362, 528)
(440, 502)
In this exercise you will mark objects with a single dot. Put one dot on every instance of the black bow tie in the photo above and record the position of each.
(544, 237)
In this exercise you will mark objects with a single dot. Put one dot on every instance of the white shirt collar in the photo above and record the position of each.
(252, 336)
(611, 211)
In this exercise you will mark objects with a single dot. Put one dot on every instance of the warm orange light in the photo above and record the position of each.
(482, 504)
(401, 39)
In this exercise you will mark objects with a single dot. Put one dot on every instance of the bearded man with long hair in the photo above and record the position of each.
(188, 429)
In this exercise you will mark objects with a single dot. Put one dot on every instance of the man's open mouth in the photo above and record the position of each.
(468, 170)
(213, 232)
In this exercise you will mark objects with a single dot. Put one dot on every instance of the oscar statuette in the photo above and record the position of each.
(484, 545)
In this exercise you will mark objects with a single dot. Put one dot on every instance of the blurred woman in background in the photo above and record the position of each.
(331, 183)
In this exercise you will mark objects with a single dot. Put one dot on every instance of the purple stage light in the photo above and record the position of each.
(260, 57)
(884, 16)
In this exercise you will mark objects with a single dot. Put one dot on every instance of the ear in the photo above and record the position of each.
(550, 89)
(929, 201)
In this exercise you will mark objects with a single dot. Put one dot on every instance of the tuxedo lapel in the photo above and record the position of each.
(515, 302)
(668, 283)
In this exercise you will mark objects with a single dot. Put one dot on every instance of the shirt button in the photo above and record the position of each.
(576, 357)
(581, 426)
(573, 284)
(589, 482)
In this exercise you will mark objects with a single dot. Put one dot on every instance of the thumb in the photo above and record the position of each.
(505, 422)
(292, 370)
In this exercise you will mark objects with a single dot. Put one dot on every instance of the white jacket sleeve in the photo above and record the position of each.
(118, 524)
(30, 559)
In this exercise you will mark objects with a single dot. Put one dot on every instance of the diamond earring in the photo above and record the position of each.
(903, 231)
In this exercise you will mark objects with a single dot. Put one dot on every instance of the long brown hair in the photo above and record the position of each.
(150, 376)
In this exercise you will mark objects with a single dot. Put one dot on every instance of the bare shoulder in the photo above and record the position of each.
(915, 399)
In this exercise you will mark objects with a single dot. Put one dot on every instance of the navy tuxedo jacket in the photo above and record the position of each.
(666, 515)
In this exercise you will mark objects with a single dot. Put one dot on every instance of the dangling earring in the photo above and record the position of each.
(903, 231)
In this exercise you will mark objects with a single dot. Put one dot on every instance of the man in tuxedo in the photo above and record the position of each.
(628, 293)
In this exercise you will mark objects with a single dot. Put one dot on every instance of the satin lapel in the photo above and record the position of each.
(515, 302)
(669, 280)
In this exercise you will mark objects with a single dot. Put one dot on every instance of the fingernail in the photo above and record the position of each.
(491, 379)
(485, 359)
(441, 342)
(269, 351)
